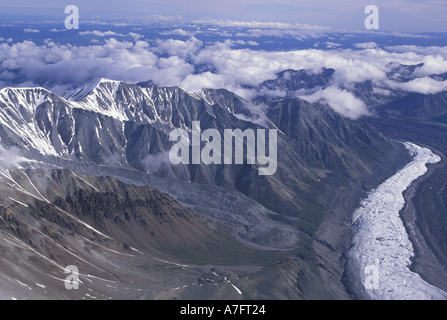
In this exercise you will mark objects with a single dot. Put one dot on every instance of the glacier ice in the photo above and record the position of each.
(381, 248)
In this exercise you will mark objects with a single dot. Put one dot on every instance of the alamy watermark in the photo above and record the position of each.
(188, 149)
(72, 20)
(72, 281)
(372, 21)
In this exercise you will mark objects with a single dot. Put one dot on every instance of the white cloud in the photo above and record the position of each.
(281, 33)
(342, 101)
(100, 33)
(153, 163)
(252, 43)
(135, 36)
(232, 43)
(177, 32)
(179, 48)
(194, 82)
(331, 45)
(58, 30)
(257, 24)
(256, 29)
(424, 85)
(366, 45)
(68, 66)
(9, 157)
(193, 65)
(253, 67)
(30, 30)
(433, 64)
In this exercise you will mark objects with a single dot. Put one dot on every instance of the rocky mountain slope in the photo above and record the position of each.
(87, 180)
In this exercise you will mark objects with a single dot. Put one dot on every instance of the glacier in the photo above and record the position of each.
(381, 249)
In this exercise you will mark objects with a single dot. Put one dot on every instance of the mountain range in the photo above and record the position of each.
(87, 181)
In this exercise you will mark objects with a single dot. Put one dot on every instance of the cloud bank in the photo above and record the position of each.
(193, 65)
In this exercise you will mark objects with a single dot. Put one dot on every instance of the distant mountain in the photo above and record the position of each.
(294, 80)
(439, 77)
(402, 73)
(430, 107)
(293, 83)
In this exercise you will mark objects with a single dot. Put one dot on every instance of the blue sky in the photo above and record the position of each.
(395, 15)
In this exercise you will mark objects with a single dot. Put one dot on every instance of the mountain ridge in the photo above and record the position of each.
(121, 131)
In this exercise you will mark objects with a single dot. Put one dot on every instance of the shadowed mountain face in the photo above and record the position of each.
(427, 107)
(88, 181)
(51, 219)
